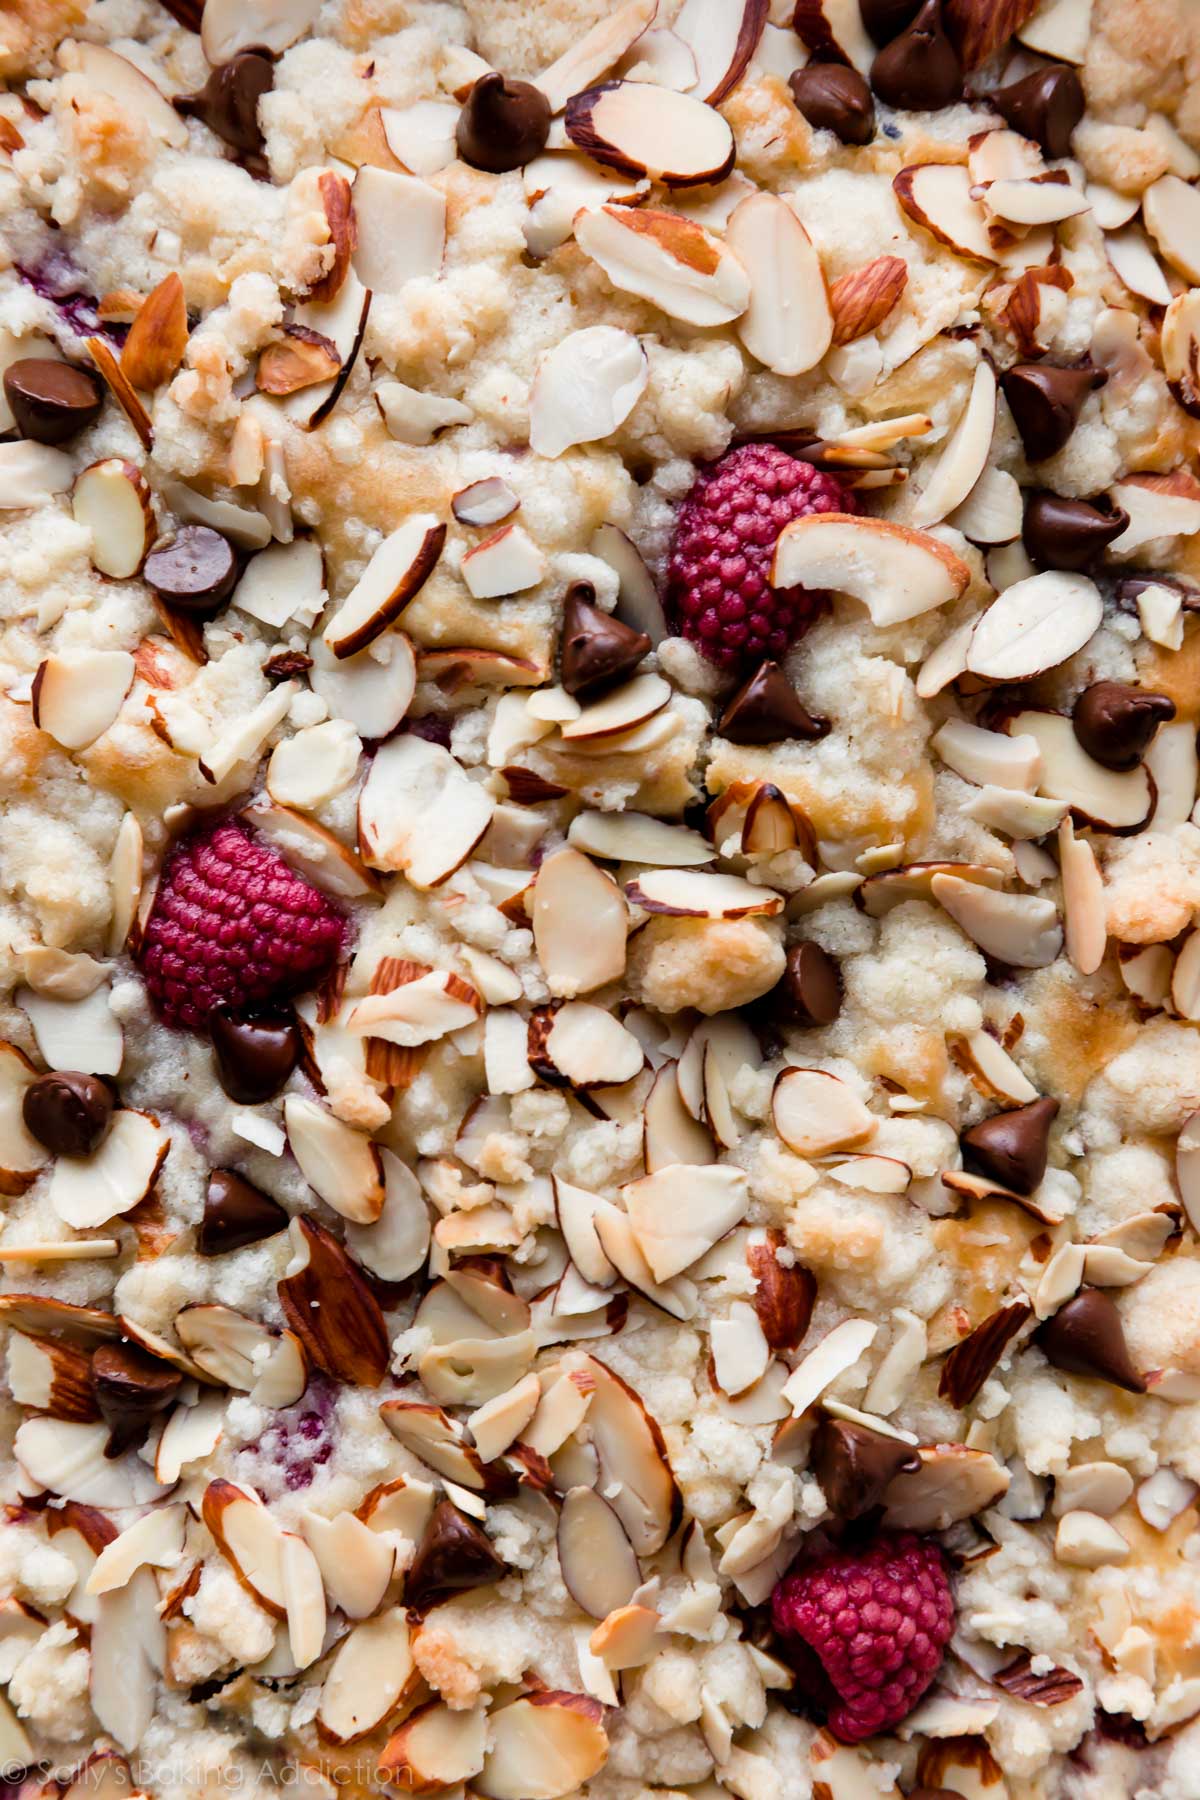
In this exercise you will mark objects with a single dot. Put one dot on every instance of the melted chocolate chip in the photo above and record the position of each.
(503, 125)
(765, 710)
(919, 70)
(809, 991)
(453, 1554)
(196, 571)
(885, 19)
(228, 105)
(236, 1213)
(131, 1388)
(1046, 402)
(834, 97)
(67, 1112)
(254, 1053)
(1115, 723)
(597, 651)
(1069, 534)
(854, 1465)
(1086, 1337)
(1011, 1147)
(51, 401)
(1045, 106)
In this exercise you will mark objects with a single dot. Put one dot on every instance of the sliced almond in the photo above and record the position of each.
(642, 129)
(418, 1011)
(52, 1377)
(595, 1556)
(369, 1677)
(1083, 902)
(1131, 256)
(992, 511)
(157, 339)
(371, 691)
(21, 1155)
(342, 321)
(691, 894)
(632, 1454)
(331, 1309)
(312, 850)
(671, 261)
(1159, 506)
(112, 499)
(1035, 625)
(299, 359)
(30, 474)
(419, 812)
(68, 1458)
(250, 1537)
(153, 1541)
(356, 1564)
(435, 1439)
(1010, 760)
(582, 1046)
(638, 838)
(1060, 29)
(1171, 209)
(508, 562)
(579, 924)
(680, 1212)
(878, 894)
(396, 573)
(577, 1211)
(82, 1035)
(638, 604)
(421, 135)
(415, 417)
(815, 1112)
(722, 39)
(964, 454)
(595, 52)
(676, 1297)
(435, 1749)
(1108, 799)
(1019, 929)
(484, 502)
(559, 186)
(585, 387)
(121, 80)
(618, 712)
(396, 1244)
(939, 196)
(896, 572)
(243, 740)
(401, 229)
(87, 1191)
(952, 1483)
(788, 324)
(1037, 201)
(229, 26)
(838, 1351)
(543, 1746)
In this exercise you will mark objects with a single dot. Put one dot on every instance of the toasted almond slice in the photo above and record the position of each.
(396, 573)
(1171, 209)
(671, 261)
(815, 1112)
(77, 694)
(964, 454)
(53, 1377)
(343, 321)
(396, 1244)
(558, 187)
(229, 26)
(75, 1034)
(251, 1538)
(1020, 816)
(878, 894)
(21, 1156)
(417, 1012)
(1104, 798)
(1130, 254)
(499, 1421)
(896, 572)
(401, 229)
(739, 1348)
(369, 1677)
(155, 1541)
(1035, 625)
(680, 1212)
(419, 812)
(46, 1317)
(227, 1346)
(309, 768)
(638, 838)
(436, 1439)
(596, 52)
(331, 1308)
(134, 92)
(577, 1210)
(355, 1563)
(312, 850)
(1111, 210)
(579, 924)
(543, 1746)
(722, 36)
(68, 1458)
(339, 1164)
(1020, 929)
(939, 196)
(641, 129)
(435, 1749)
(692, 894)
(585, 387)
(788, 324)
(30, 474)
(87, 1191)
(414, 417)
(632, 1455)
(662, 58)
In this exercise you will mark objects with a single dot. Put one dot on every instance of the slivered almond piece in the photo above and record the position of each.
(677, 1298)
(1035, 625)
(1020, 929)
(964, 455)
(896, 572)
(638, 837)
(304, 1599)
(939, 197)
(396, 573)
(30, 473)
(1129, 252)
(638, 128)
(158, 337)
(112, 499)
(671, 261)
(1058, 28)
(369, 1677)
(420, 136)
(787, 325)
(419, 812)
(371, 691)
(584, 390)
(343, 322)
(1159, 506)
(833, 30)
(75, 1034)
(619, 711)
(155, 1541)
(680, 1212)
(436, 1439)
(312, 850)
(838, 1351)
(863, 299)
(1003, 759)
(499, 1421)
(815, 1112)
(580, 923)
(77, 694)
(632, 1455)
(342, 227)
(596, 52)
(52, 1377)
(397, 1243)
(1036, 201)
(694, 894)
(21, 1156)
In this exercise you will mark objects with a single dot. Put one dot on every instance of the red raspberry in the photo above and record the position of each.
(718, 576)
(233, 925)
(867, 1628)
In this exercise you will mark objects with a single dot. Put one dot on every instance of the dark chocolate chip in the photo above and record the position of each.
(1046, 402)
(254, 1052)
(597, 651)
(1011, 1147)
(131, 1388)
(1069, 534)
(1045, 106)
(196, 571)
(1086, 1337)
(886, 19)
(1115, 723)
(228, 105)
(919, 70)
(454, 1554)
(809, 991)
(51, 401)
(834, 97)
(286, 663)
(187, 13)
(766, 710)
(236, 1213)
(67, 1112)
(503, 125)
(854, 1465)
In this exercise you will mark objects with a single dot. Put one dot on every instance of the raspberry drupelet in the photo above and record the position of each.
(233, 925)
(866, 1628)
(719, 594)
